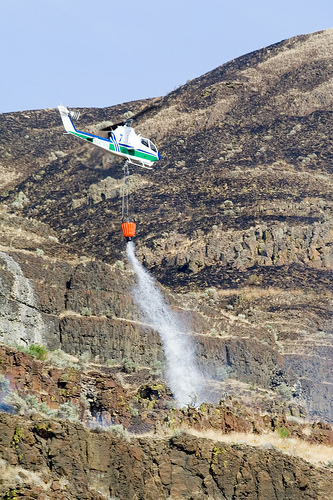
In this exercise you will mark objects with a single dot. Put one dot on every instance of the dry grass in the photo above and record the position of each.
(317, 454)
(253, 293)
(7, 177)
(300, 103)
(15, 476)
(316, 47)
(15, 234)
(170, 119)
(72, 259)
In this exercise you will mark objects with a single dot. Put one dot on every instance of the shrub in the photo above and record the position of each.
(284, 390)
(253, 279)
(129, 366)
(119, 431)
(84, 359)
(61, 359)
(157, 368)
(31, 405)
(211, 293)
(119, 264)
(20, 200)
(179, 433)
(133, 411)
(17, 403)
(66, 411)
(86, 311)
(223, 372)
(4, 383)
(37, 350)
(111, 362)
(283, 432)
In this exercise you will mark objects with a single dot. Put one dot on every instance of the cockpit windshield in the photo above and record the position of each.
(152, 146)
(148, 144)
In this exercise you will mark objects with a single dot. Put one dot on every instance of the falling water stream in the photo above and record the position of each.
(182, 373)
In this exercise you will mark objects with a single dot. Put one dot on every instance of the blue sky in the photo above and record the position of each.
(85, 53)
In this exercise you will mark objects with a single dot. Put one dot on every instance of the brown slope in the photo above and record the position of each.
(254, 132)
(240, 200)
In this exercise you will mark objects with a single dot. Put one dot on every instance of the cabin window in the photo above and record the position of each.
(145, 142)
(152, 146)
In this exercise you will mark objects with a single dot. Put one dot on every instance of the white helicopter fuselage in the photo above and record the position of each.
(123, 141)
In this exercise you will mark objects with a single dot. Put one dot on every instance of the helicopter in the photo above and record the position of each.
(122, 140)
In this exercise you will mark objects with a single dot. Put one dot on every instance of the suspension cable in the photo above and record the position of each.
(126, 194)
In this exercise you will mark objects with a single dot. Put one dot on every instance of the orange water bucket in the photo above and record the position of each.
(128, 229)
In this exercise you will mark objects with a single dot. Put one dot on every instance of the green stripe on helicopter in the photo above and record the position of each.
(137, 153)
(95, 140)
(110, 146)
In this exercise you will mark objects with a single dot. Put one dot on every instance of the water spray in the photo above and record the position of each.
(182, 373)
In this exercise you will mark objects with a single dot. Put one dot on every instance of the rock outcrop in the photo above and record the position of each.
(61, 461)
(235, 223)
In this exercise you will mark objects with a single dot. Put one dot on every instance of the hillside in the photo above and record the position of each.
(235, 223)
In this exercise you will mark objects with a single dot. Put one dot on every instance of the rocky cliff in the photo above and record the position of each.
(95, 465)
(236, 224)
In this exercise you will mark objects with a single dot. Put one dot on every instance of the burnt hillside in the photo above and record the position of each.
(235, 222)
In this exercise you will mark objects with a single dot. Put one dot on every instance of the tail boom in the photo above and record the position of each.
(66, 119)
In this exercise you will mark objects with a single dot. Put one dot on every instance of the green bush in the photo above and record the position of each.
(32, 403)
(20, 200)
(129, 366)
(111, 362)
(36, 350)
(283, 432)
(86, 311)
(119, 264)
